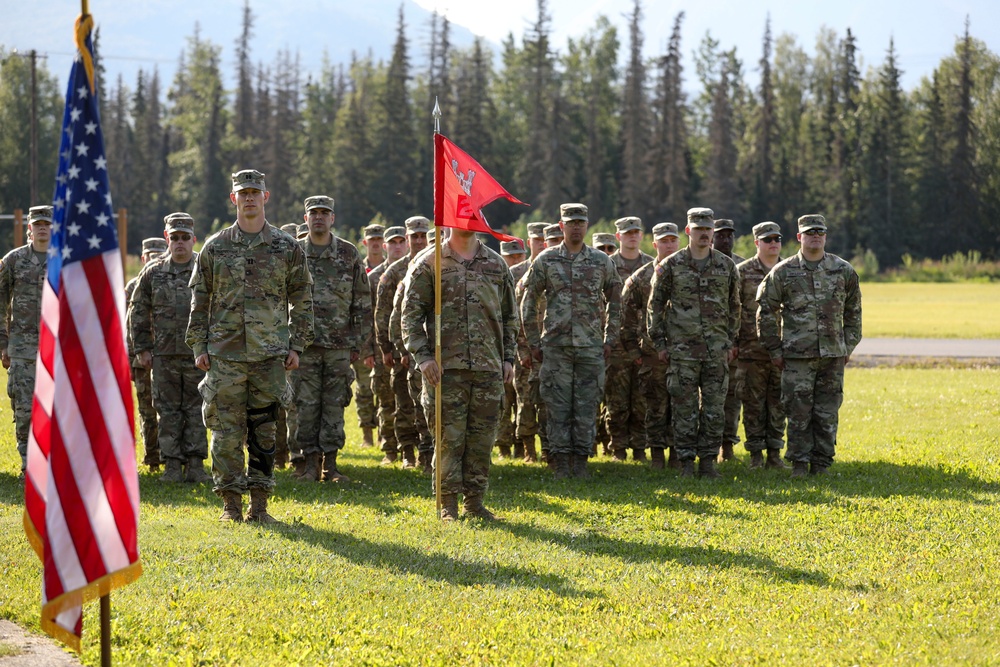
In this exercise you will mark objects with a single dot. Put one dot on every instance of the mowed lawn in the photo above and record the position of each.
(931, 310)
(889, 560)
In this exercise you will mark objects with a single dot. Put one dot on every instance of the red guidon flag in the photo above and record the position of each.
(462, 188)
(81, 491)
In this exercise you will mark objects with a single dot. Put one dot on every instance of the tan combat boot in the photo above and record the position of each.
(561, 465)
(174, 471)
(638, 454)
(449, 506)
(530, 455)
(518, 449)
(774, 460)
(725, 452)
(389, 458)
(800, 469)
(195, 473)
(756, 460)
(504, 452)
(409, 458)
(368, 439)
(578, 465)
(330, 472)
(299, 465)
(672, 460)
(656, 459)
(687, 468)
(258, 507)
(232, 507)
(311, 473)
(425, 461)
(474, 508)
(706, 468)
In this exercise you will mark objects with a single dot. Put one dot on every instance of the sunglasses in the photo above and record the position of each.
(815, 232)
(771, 239)
(180, 237)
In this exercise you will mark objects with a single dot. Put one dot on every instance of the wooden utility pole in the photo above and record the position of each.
(18, 228)
(123, 236)
(34, 128)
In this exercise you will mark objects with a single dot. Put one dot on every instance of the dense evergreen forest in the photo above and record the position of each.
(896, 172)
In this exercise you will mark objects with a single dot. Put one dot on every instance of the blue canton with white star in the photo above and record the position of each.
(83, 224)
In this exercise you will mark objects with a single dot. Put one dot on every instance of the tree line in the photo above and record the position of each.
(896, 172)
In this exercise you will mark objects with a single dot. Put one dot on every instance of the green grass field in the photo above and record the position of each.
(931, 310)
(889, 560)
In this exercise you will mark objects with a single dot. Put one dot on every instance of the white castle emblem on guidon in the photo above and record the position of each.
(466, 183)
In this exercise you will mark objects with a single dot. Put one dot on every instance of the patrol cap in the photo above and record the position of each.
(374, 231)
(512, 247)
(664, 229)
(724, 223)
(178, 222)
(536, 230)
(154, 244)
(303, 231)
(319, 201)
(39, 214)
(601, 239)
(623, 225)
(417, 224)
(701, 217)
(764, 229)
(569, 212)
(812, 221)
(292, 229)
(431, 233)
(553, 232)
(394, 233)
(249, 178)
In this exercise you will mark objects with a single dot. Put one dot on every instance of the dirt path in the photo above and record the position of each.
(19, 648)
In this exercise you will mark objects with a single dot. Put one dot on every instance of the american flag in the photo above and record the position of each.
(82, 489)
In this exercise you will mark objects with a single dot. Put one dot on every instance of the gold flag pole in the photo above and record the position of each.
(437, 318)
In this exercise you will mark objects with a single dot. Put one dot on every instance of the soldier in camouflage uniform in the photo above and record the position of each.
(530, 409)
(693, 317)
(364, 395)
(817, 300)
(251, 318)
(22, 276)
(285, 426)
(157, 320)
(723, 241)
(142, 377)
(640, 349)
(606, 243)
(408, 418)
(513, 253)
(342, 315)
(624, 394)
(582, 290)
(478, 326)
(759, 379)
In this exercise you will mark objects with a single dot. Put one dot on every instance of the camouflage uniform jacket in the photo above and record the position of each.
(368, 347)
(22, 277)
(635, 296)
(396, 321)
(341, 296)
(626, 267)
(479, 319)
(518, 272)
(693, 313)
(160, 307)
(384, 297)
(129, 291)
(250, 300)
(575, 309)
(752, 272)
(819, 311)
(368, 264)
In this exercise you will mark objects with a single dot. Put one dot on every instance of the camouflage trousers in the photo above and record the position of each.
(659, 430)
(405, 423)
(812, 391)
(321, 389)
(625, 403)
(470, 403)
(530, 409)
(142, 378)
(382, 386)
(178, 406)
(763, 416)
(730, 430)
(415, 379)
(698, 398)
(508, 414)
(364, 397)
(21, 390)
(240, 403)
(571, 383)
(288, 424)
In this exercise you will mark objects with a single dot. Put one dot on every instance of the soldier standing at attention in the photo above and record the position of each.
(478, 328)
(22, 276)
(342, 317)
(374, 246)
(817, 299)
(157, 318)
(760, 380)
(581, 323)
(530, 410)
(693, 317)
(513, 254)
(251, 318)
(364, 396)
(723, 240)
(141, 376)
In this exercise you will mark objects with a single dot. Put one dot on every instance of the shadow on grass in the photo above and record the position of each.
(405, 560)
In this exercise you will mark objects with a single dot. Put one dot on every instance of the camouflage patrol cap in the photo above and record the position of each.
(431, 234)
(417, 224)
(764, 229)
(724, 223)
(812, 221)
(569, 212)
(664, 229)
(178, 222)
(701, 217)
(536, 230)
(319, 201)
(303, 231)
(374, 231)
(512, 247)
(247, 179)
(154, 244)
(601, 239)
(553, 232)
(394, 233)
(627, 224)
(39, 214)
(292, 229)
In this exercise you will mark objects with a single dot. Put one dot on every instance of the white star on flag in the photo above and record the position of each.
(73, 228)
(83, 207)
(82, 148)
(102, 220)
(94, 242)
(91, 185)
(91, 127)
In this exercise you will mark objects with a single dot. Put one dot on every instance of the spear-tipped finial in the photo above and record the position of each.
(437, 115)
